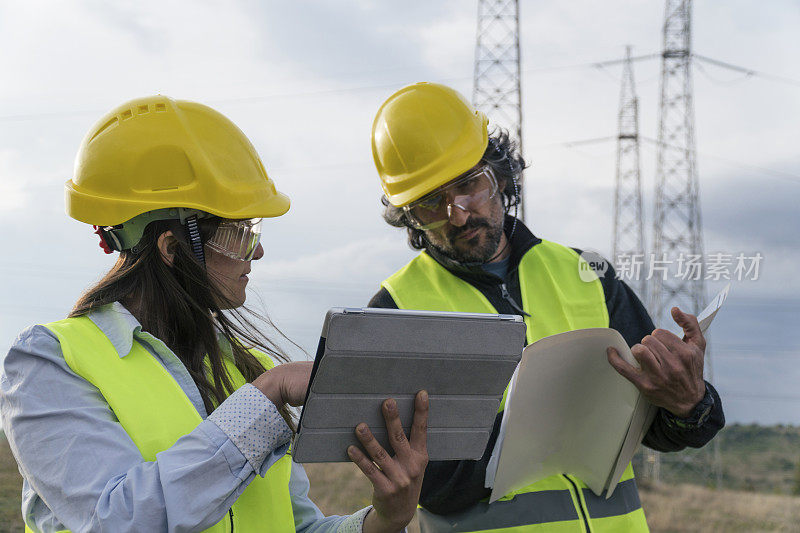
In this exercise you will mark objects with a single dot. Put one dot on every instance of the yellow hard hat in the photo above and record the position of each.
(423, 136)
(155, 153)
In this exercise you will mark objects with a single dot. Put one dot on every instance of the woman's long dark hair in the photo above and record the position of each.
(179, 305)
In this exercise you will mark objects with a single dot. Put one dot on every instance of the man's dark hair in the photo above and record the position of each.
(502, 156)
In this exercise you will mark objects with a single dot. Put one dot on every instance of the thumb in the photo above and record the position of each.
(689, 325)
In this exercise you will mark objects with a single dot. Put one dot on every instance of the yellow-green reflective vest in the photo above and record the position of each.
(558, 300)
(155, 412)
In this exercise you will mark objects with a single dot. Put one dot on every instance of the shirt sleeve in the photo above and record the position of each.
(626, 312)
(86, 474)
(253, 423)
(664, 437)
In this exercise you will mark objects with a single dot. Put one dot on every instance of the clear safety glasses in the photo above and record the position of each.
(470, 192)
(237, 239)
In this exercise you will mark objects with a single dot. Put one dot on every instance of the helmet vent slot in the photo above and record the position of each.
(143, 109)
(112, 122)
(126, 114)
(160, 107)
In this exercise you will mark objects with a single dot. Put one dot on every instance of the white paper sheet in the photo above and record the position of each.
(706, 316)
(569, 411)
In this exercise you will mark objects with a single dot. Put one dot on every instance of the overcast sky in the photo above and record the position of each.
(304, 80)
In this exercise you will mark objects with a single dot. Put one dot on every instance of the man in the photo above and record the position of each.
(452, 185)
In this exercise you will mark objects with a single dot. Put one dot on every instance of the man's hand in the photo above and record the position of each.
(671, 373)
(396, 481)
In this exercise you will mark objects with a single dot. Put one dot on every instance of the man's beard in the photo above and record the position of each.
(480, 252)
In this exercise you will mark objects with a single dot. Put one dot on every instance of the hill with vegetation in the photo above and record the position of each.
(753, 458)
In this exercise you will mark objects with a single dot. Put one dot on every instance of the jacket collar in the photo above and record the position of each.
(520, 241)
(118, 324)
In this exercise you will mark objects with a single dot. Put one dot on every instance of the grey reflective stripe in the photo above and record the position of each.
(624, 500)
(528, 508)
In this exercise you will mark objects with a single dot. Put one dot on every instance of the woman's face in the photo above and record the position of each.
(230, 275)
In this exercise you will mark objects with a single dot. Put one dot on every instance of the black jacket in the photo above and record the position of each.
(450, 486)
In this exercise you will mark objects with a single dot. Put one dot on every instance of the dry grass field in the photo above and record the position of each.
(10, 487)
(690, 508)
(340, 488)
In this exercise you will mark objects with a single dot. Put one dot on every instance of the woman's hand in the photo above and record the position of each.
(396, 481)
(285, 383)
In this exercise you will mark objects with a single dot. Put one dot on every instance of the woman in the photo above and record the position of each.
(156, 406)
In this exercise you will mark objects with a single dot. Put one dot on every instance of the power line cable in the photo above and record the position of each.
(747, 71)
(738, 80)
(579, 142)
(596, 140)
(326, 92)
(775, 173)
(598, 65)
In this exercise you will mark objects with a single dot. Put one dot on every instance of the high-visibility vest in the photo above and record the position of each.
(155, 412)
(558, 299)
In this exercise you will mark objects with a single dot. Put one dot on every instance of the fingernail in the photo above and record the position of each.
(423, 395)
(391, 405)
(362, 428)
(350, 451)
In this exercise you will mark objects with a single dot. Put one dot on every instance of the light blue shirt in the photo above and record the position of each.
(82, 472)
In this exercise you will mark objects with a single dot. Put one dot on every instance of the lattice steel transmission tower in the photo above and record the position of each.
(628, 247)
(677, 224)
(497, 89)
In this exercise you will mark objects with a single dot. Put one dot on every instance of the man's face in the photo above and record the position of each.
(471, 235)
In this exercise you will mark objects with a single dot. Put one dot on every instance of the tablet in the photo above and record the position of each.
(365, 355)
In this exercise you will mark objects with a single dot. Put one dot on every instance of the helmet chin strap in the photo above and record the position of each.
(193, 230)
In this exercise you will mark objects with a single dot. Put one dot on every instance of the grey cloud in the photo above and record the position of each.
(333, 39)
(758, 210)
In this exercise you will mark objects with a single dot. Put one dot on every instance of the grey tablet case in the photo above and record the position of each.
(463, 360)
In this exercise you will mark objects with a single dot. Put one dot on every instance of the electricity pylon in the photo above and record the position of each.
(677, 224)
(497, 88)
(628, 247)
